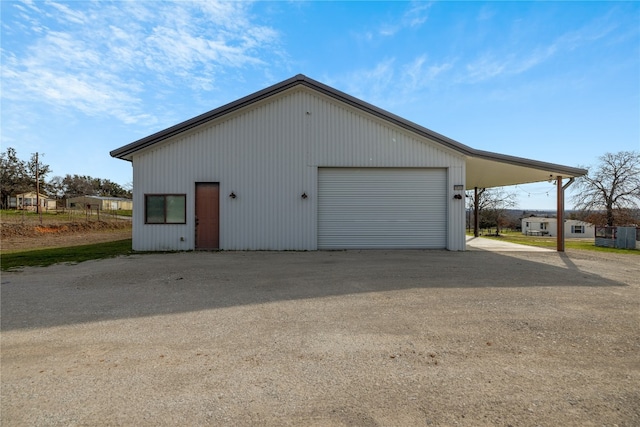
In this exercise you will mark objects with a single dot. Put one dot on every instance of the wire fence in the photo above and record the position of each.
(24, 216)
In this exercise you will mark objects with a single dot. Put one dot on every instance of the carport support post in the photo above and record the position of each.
(475, 212)
(560, 215)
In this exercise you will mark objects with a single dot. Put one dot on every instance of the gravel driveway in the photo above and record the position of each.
(355, 338)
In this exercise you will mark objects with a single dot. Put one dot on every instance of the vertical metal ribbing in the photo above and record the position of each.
(268, 154)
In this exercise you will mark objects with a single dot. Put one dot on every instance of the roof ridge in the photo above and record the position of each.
(125, 151)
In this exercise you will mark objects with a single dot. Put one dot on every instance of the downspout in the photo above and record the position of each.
(560, 214)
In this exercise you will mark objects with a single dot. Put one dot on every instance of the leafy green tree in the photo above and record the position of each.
(77, 185)
(112, 189)
(36, 169)
(12, 178)
(56, 187)
(83, 185)
(18, 176)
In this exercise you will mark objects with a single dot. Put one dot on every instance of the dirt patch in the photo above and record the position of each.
(17, 236)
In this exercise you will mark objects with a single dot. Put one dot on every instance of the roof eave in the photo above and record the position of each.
(566, 171)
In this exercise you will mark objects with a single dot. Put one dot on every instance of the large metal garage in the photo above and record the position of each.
(372, 208)
(302, 166)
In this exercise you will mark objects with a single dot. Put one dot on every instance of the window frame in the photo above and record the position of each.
(574, 229)
(164, 196)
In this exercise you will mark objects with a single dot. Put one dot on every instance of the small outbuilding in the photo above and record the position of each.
(100, 203)
(303, 166)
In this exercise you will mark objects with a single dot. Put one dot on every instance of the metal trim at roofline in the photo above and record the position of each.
(300, 79)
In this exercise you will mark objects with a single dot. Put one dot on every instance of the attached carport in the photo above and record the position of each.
(487, 170)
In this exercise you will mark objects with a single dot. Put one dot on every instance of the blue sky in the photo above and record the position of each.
(551, 81)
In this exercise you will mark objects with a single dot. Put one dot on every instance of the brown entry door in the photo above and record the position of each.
(207, 215)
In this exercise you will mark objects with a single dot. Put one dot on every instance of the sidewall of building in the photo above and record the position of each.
(268, 155)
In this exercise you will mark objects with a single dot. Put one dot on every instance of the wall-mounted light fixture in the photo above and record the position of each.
(459, 188)
(304, 195)
(232, 195)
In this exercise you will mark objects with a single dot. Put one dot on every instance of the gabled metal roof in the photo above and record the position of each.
(484, 169)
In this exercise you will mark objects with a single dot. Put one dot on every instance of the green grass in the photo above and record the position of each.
(12, 213)
(70, 254)
(551, 242)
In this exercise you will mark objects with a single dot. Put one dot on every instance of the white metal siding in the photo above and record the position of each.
(381, 208)
(258, 154)
(268, 154)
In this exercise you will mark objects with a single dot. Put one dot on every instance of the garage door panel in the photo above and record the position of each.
(381, 208)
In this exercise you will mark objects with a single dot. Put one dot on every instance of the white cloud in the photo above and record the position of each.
(489, 66)
(485, 68)
(66, 13)
(494, 63)
(486, 13)
(419, 74)
(416, 15)
(390, 83)
(103, 59)
(371, 84)
(387, 30)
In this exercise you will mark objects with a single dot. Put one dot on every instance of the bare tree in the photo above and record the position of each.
(492, 205)
(613, 186)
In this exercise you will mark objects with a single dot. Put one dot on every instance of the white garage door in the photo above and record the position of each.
(382, 208)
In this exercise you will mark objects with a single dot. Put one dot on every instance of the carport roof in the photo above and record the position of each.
(484, 169)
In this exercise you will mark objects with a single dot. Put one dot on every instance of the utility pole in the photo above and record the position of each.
(37, 186)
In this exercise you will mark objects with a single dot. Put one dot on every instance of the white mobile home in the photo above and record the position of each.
(542, 226)
(302, 166)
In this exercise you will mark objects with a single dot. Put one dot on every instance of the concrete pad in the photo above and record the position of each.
(482, 244)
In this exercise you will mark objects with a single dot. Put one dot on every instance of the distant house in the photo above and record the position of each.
(100, 203)
(29, 201)
(543, 226)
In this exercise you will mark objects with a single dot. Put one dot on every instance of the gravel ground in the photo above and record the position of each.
(356, 338)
